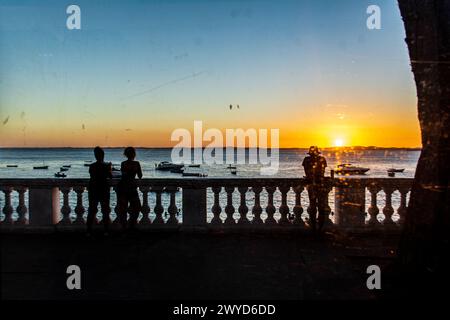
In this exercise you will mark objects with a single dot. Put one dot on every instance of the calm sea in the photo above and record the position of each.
(289, 162)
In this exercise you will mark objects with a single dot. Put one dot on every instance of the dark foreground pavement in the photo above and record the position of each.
(180, 265)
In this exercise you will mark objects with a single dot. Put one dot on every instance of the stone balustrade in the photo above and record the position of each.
(211, 202)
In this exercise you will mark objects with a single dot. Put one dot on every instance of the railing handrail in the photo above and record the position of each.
(350, 200)
(209, 182)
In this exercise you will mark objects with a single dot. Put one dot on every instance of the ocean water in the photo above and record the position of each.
(289, 166)
(289, 162)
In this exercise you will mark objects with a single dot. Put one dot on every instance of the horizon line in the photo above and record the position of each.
(233, 147)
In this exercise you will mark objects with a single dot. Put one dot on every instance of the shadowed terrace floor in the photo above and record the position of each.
(182, 265)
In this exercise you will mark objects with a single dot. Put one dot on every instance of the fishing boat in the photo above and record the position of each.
(231, 167)
(40, 167)
(11, 165)
(349, 169)
(395, 170)
(167, 166)
(60, 175)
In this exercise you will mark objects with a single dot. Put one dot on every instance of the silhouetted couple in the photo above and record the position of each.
(314, 165)
(127, 194)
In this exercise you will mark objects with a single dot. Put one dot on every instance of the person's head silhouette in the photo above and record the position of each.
(130, 153)
(99, 154)
(314, 151)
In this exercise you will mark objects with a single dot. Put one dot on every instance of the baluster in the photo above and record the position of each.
(8, 208)
(216, 209)
(159, 209)
(79, 209)
(243, 209)
(257, 210)
(229, 209)
(270, 210)
(284, 208)
(403, 207)
(388, 210)
(298, 209)
(145, 209)
(116, 208)
(373, 210)
(172, 206)
(22, 208)
(65, 210)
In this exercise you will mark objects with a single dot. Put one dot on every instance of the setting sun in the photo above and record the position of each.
(338, 143)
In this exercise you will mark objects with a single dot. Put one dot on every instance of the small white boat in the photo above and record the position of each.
(349, 169)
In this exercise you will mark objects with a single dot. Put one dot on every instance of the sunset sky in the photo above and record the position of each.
(137, 70)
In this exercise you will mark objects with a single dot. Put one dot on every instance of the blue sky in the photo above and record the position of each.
(149, 67)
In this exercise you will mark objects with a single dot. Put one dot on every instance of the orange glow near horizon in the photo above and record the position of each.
(292, 134)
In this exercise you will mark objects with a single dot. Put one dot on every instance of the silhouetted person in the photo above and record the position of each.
(98, 190)
(128, 198)
(314, 165)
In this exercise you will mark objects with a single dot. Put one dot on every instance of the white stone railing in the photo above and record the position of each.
(209, 202)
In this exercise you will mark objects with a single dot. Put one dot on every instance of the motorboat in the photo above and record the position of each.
(11, 165)
(194, 166)
(40, 167)
(60, 175)
(349, 169)
(395, 170)
(167, 166)
(63, 169)
(67, 166)
(231, 167)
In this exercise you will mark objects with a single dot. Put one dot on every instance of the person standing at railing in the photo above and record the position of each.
(98, 189)
(314, 165)
(128, 197)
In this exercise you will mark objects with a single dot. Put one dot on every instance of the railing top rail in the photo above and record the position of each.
(210, 182)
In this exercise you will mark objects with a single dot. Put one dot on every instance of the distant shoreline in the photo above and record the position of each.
(347, 149)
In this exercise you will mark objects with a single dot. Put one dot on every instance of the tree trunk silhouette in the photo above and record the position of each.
(424, 247)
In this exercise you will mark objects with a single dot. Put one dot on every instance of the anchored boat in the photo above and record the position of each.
(349, 169)
(60, 175)
(395, 170)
